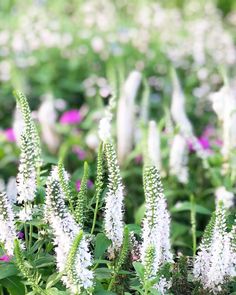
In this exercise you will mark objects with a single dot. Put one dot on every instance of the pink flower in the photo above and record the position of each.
(218, 142)
(138, 159)
(135, 257)
(204, 142)
(5, 258)
(72, 116)
(79, 152)
(209, 131)
(10, 135)
(78, 184)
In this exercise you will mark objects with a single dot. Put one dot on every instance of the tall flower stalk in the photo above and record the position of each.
(179, 115)
(114, 225)
(30, 158)
(8, 231)
(153, 145)
(179, 158)
(214, 265)
(65, 231)
(156, 249)
(29, 127)
(98, 184)
(47, 117)
(126, 115)
(224, 105)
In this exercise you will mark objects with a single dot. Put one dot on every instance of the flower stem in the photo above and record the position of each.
(26, 235)
(95, 214)
(193, 224)
(30, 235)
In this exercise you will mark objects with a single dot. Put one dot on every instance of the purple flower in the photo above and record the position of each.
(20, 235)
(190, 146)
(79, 152)
(78, 184)
(72, 116)
(90, 184)
(10, 135)
(5, 258)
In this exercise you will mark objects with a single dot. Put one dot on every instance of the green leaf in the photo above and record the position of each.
(187, 206)
(45, 261)
(154, 291)
(139, 214)
(105, 293)
(103, 273)
(53, 279)
(55, 291)
(7, 270)
(102, 243)
(134, 228)
(13, 285)
(178, 229)
(139, 269)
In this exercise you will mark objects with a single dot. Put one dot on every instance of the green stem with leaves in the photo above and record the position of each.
(121, 260)
(98, 184)
(32, 277)
(193, 224)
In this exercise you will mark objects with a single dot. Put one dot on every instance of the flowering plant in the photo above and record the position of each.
(59, 241)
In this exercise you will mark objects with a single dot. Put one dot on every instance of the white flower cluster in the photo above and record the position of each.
(30, 158)
(179, 158)
(114, 225)
(156, 223)
(214, 264)
(26, 213)
(154, 145)
(224, 196)
(178, 111)
(224, 105)
(104, 131)
(10, 188)
(181, 119)
(47, 117)
(163, 285)
(186, 136)
(65, 230)
(126, 115)
(26, 177)
(8, 231)
(84, 276)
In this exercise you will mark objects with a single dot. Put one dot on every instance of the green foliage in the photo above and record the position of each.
(181, 281)
(208, 233)
(148, 264)
(122, 258)
(124, 251)
(99, 184)
(31, 276)
(71, 261)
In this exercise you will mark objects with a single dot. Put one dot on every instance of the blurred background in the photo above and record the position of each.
(71, 57)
